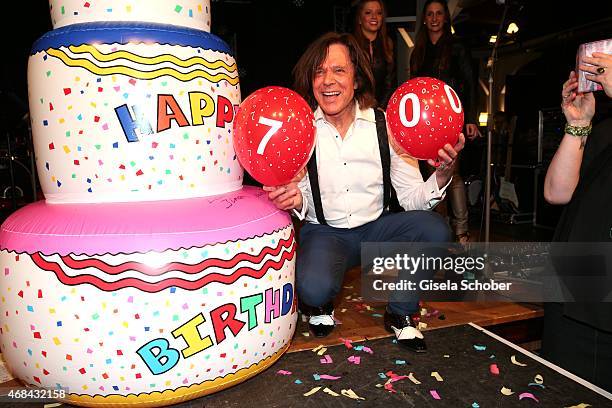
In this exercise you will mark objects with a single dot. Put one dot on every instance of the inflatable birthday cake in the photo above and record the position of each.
(149, 275)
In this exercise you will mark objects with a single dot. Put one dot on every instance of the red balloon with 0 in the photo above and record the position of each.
(423, 115)
(274, 135)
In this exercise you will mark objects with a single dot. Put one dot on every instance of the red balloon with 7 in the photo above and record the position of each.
(274, 135)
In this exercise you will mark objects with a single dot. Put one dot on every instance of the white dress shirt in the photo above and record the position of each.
(350, 175)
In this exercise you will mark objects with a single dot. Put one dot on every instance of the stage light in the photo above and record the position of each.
(513, 28)
(483, 118)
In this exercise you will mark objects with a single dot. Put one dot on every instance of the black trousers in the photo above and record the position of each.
(577, 347)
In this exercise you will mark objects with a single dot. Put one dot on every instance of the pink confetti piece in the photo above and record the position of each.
(329, 377)
(494, 369)
(389, 387)
(367, 350)
(283, 372)
(435, 394)
(347, 343)
(354, 359)
(528, 395)
(327, 359)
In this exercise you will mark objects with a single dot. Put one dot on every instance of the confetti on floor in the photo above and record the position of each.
(514, 361)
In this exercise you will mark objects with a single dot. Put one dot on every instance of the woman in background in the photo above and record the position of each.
(438, 54)
(371, 33)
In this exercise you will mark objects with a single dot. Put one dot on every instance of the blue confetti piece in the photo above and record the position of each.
(382, 375)
(298, 381)
(317, 377)
(59, 323)
(475, 405)
(377, 315)
(45, 122)
(480, 347)
(172, 289)
(116, 145)
(400, 362)
(537, 385)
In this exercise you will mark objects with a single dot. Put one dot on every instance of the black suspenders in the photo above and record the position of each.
(385, 159)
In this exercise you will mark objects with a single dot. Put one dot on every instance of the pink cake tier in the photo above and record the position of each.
(146, 303)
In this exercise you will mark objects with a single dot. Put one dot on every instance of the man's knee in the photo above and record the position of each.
(435, 228)
(316, 291)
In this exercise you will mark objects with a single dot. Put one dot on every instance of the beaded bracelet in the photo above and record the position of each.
(579, 131)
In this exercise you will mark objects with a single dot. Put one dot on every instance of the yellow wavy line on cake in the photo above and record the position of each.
(134, 73)
(100, 56)
(166, 397)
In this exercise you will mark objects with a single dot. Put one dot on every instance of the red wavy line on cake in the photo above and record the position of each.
(159, 286)
(100, 265)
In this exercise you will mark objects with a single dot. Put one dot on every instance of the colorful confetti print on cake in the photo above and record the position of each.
(185, 13)
(96, 342)
(101, 135)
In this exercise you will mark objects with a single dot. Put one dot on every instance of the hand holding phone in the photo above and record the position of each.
(587, 49)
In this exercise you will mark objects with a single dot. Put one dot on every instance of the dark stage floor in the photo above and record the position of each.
(464, 367)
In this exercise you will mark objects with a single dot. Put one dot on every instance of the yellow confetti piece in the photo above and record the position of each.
(305, 334)
(322, 351)
(309, 393)
(437, 376)
(319, 347)
(412, 378)
(506, 391)
(538, 379)
(351, 394)
(581, 405)
(66, 149)
(56, 341)
(518, 363)
(54, 405)
(423, 312)
(52, 310)
(422, 325)
(342, 310)
(446, 356)
(330, 392)
(84, 387)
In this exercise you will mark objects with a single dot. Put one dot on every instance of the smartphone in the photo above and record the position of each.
(587, 49)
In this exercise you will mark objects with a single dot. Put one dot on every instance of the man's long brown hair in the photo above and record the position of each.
(313, 58)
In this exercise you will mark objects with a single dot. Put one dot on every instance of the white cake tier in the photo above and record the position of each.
(132, 112)
(185, 13)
